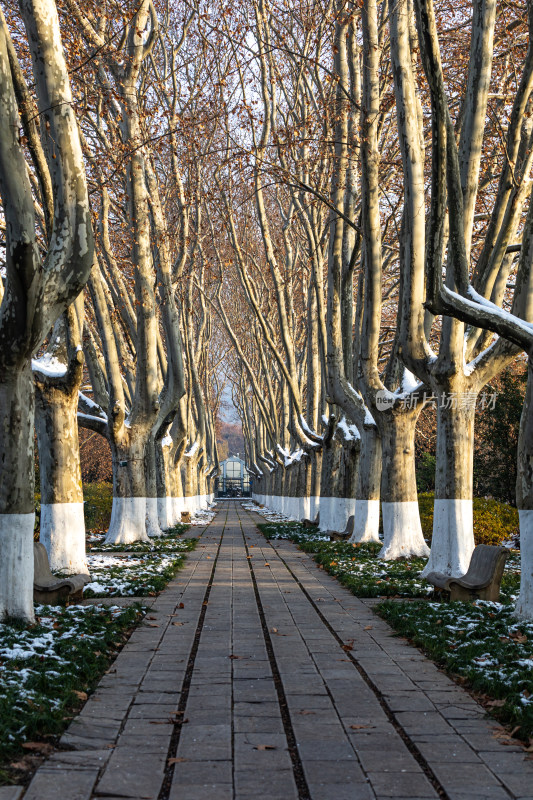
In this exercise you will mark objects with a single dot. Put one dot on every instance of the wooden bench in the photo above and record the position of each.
(335, 536)
(47, 587)
(482, 579)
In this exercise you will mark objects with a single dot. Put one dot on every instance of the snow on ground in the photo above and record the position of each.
(121, 575)
(40, 660)
(269, 514)
(203, 516)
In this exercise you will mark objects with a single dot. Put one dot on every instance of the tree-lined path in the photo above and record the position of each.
(256, 675)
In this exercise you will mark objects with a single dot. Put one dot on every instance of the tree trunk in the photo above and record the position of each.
(524, 500)
(150, 466)
(452, 543)
(177, 490)
(17, 501)
(335, 509)
(316, 470)
(367, 491)
(165, 500)
(191, 484)
(402, 532)
(62, 519)
(128, 516)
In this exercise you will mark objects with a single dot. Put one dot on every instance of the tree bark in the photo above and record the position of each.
(452, 542)
(402, 531)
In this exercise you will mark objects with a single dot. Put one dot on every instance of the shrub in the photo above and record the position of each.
(425, 472)
(98, 502)
(494, 522)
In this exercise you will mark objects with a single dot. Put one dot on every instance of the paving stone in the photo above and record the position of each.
(335, 791)
(66, 784)
(133, 773)
(81, 759)
(11, 792)
(252, 783)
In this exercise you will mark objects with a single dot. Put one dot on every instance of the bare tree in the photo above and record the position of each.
(38, 289)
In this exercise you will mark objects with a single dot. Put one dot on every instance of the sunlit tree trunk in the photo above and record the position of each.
(36, 292)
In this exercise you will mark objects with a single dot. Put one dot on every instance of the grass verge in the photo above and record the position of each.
(47, 669)
(358, 567)
(482, 645)
(169, 542)
(139, 575)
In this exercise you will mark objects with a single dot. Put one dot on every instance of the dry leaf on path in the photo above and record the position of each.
(40, 747)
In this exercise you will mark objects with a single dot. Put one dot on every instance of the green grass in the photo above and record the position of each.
(139, 575)
(295, 531)
(358, 568)
(98, 499)
(169, 542)
(46, 668)
(482, 643)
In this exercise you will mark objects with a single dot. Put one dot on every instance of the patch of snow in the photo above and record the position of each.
(192, 450)
(350, 432)
(49, 365)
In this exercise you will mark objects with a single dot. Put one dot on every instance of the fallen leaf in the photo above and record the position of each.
(496, 703)
(176, 760)
(265, 747)
(359, 727)
(80, 695)
(40, 747)
(151, 625)
(306, 712)
(178, 623)
(181, 605)
(273, 630)
(368, 627)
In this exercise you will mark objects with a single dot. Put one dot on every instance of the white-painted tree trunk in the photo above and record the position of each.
(335, 513)
(366, 522)
(63, 534)
(151, 480)
(524, 604)
(402, 531)
(452, 543)
(153, 528)
(128, 521)
(165, 512)
(128, 515)
(17, 501)
(524, 500)
(16, 566)
(62, 523)
(367, 492)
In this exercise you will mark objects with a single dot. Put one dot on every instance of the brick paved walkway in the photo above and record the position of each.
(256, 676)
